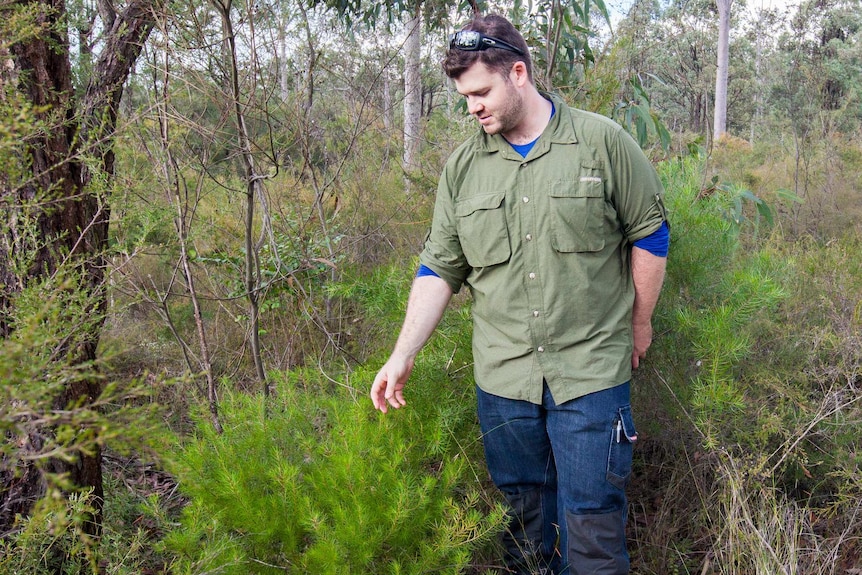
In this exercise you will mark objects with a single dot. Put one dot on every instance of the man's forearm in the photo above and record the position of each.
(648, 275)
(429, 297)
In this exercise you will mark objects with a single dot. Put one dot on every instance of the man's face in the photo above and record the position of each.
(491, 98)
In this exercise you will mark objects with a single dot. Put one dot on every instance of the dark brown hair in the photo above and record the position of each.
(457, 61)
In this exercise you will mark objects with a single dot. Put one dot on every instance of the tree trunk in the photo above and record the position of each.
(386, 78)
(412, 90)
(253, 183)
(282, 60)
(721, 74)
(72, 219)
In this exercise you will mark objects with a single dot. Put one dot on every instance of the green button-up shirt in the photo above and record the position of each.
(544, 243)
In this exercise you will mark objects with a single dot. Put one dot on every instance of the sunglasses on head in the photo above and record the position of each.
(471, 41)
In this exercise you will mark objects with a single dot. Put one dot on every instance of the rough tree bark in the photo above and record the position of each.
(72, 219)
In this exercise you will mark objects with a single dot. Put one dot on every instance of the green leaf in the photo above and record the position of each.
(643, 133)
(664, 135)
(749, 195)
(600, 4)
(788, 196)
(765, 211)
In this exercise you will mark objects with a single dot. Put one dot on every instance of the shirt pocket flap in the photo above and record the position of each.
(585, 187)
(483, 230)
(467, 206)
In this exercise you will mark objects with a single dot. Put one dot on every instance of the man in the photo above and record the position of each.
(553, 218)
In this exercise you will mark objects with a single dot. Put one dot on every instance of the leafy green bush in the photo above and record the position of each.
(53, 539)
(753, 445)
(718, 289)
(317, 482)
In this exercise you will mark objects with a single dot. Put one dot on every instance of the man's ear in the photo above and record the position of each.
(518, 74)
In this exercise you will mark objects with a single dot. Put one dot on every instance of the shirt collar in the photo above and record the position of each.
(560, 130)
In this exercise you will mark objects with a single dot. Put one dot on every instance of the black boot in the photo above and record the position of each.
(528, 549)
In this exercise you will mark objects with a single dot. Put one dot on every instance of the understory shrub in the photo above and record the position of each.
(313, 480)
(752, 397)
(53, 538)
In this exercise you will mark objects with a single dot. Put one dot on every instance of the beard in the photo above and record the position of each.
(508, 115)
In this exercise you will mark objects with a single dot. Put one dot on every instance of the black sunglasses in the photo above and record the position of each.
(471, 41)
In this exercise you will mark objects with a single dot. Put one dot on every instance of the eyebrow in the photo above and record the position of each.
(476, 92)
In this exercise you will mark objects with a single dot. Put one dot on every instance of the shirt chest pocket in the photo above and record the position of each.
(482, 229)
(577, 213)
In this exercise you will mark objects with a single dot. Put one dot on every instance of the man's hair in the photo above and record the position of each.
(497, 60)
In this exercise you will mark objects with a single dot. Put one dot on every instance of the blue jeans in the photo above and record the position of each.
(563, 469)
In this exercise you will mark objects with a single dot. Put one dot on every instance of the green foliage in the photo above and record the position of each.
(320, 485)
(18, 120)
(50, 317)
(817, 353)
(317, 482)
(823, 46)
(637, 117)
(301, 259)
(53, 539)
(722, 293)
(758, 348)
(561, 33)
(18, 23)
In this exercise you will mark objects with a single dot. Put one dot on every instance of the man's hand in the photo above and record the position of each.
(425, 306)
(642, 339)
(388, 386)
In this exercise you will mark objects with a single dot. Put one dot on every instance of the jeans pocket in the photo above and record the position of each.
(623, 436)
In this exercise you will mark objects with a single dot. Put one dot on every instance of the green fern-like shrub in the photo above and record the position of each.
(313, 480)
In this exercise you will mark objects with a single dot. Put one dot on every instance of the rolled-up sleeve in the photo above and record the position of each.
(637, 189)
(442, 251)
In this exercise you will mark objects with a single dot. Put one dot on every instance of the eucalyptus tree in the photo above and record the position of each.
(56, 212)
(761, 34)
(819, 92)
(719, 126)
(830, 33)
(559, 33)
(412, 88)
(417, 15)
(674, 55)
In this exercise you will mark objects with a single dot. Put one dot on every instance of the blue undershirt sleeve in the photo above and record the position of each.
(426, 271)
(657, 243)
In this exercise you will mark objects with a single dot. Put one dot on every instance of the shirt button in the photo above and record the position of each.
(532, 276)
(536, 313)
(540, 349)
(526, 199)
(529, 237)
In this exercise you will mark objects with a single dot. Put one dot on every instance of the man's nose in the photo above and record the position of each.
(474, 106)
